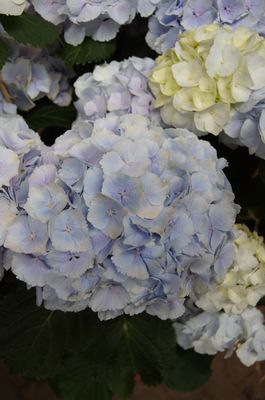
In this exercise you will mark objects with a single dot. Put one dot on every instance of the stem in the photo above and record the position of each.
(5, 92)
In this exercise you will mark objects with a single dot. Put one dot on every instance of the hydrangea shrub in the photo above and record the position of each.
(123, 254)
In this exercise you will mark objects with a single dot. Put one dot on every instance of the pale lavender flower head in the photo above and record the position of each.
(16, 141)
(210, 333)
(120, 216)
(134, 221)
(117, 87)
(29, 75)
(99, 19)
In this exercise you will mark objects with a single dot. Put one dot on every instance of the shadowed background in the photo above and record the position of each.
(230, 381)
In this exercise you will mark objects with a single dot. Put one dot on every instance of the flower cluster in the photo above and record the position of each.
(30, 74)
(174, 16)
(210, 333)
(99, 19)
(246, 126)
(120, 216)
(18, 147)
(244, 283)
(12, 7)
(117, 87)
(227, 318)
(210, 72)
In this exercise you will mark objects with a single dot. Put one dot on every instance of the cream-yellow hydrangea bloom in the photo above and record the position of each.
(209, 72)
(244, 283)
(12, 7)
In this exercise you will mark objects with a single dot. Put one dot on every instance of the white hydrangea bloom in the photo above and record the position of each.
(244, 283)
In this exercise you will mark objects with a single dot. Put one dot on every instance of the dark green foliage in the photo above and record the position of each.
(33, 340)
(89, 359)
(30, 29)
(88, 52)
(50, 115)
(88, 356)
(84, 377)
(115, 352)
(191, 371)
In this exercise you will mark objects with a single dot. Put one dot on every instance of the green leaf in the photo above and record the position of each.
(121, 379)
(143, 344)
(192, 370)
(151, 346)
(50, 115)
(118, 350)
(30, 29)
(88, 52)
(3, 53)
(85, 378)
(83, 357)
(33, 340)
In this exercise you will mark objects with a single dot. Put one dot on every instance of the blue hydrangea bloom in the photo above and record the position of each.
(68, 231)
(100, 20)
(120, 215)
(16, 140)
(174, 16)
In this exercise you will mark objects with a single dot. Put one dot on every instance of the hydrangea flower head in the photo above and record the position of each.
(29, 74)
(210, 333)
(100, 20)
(16, 140)
(172, 17)
(246, 126)
(226, 318)
(117, 87)
(244, 282)
(120, 216)
(211, 71)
